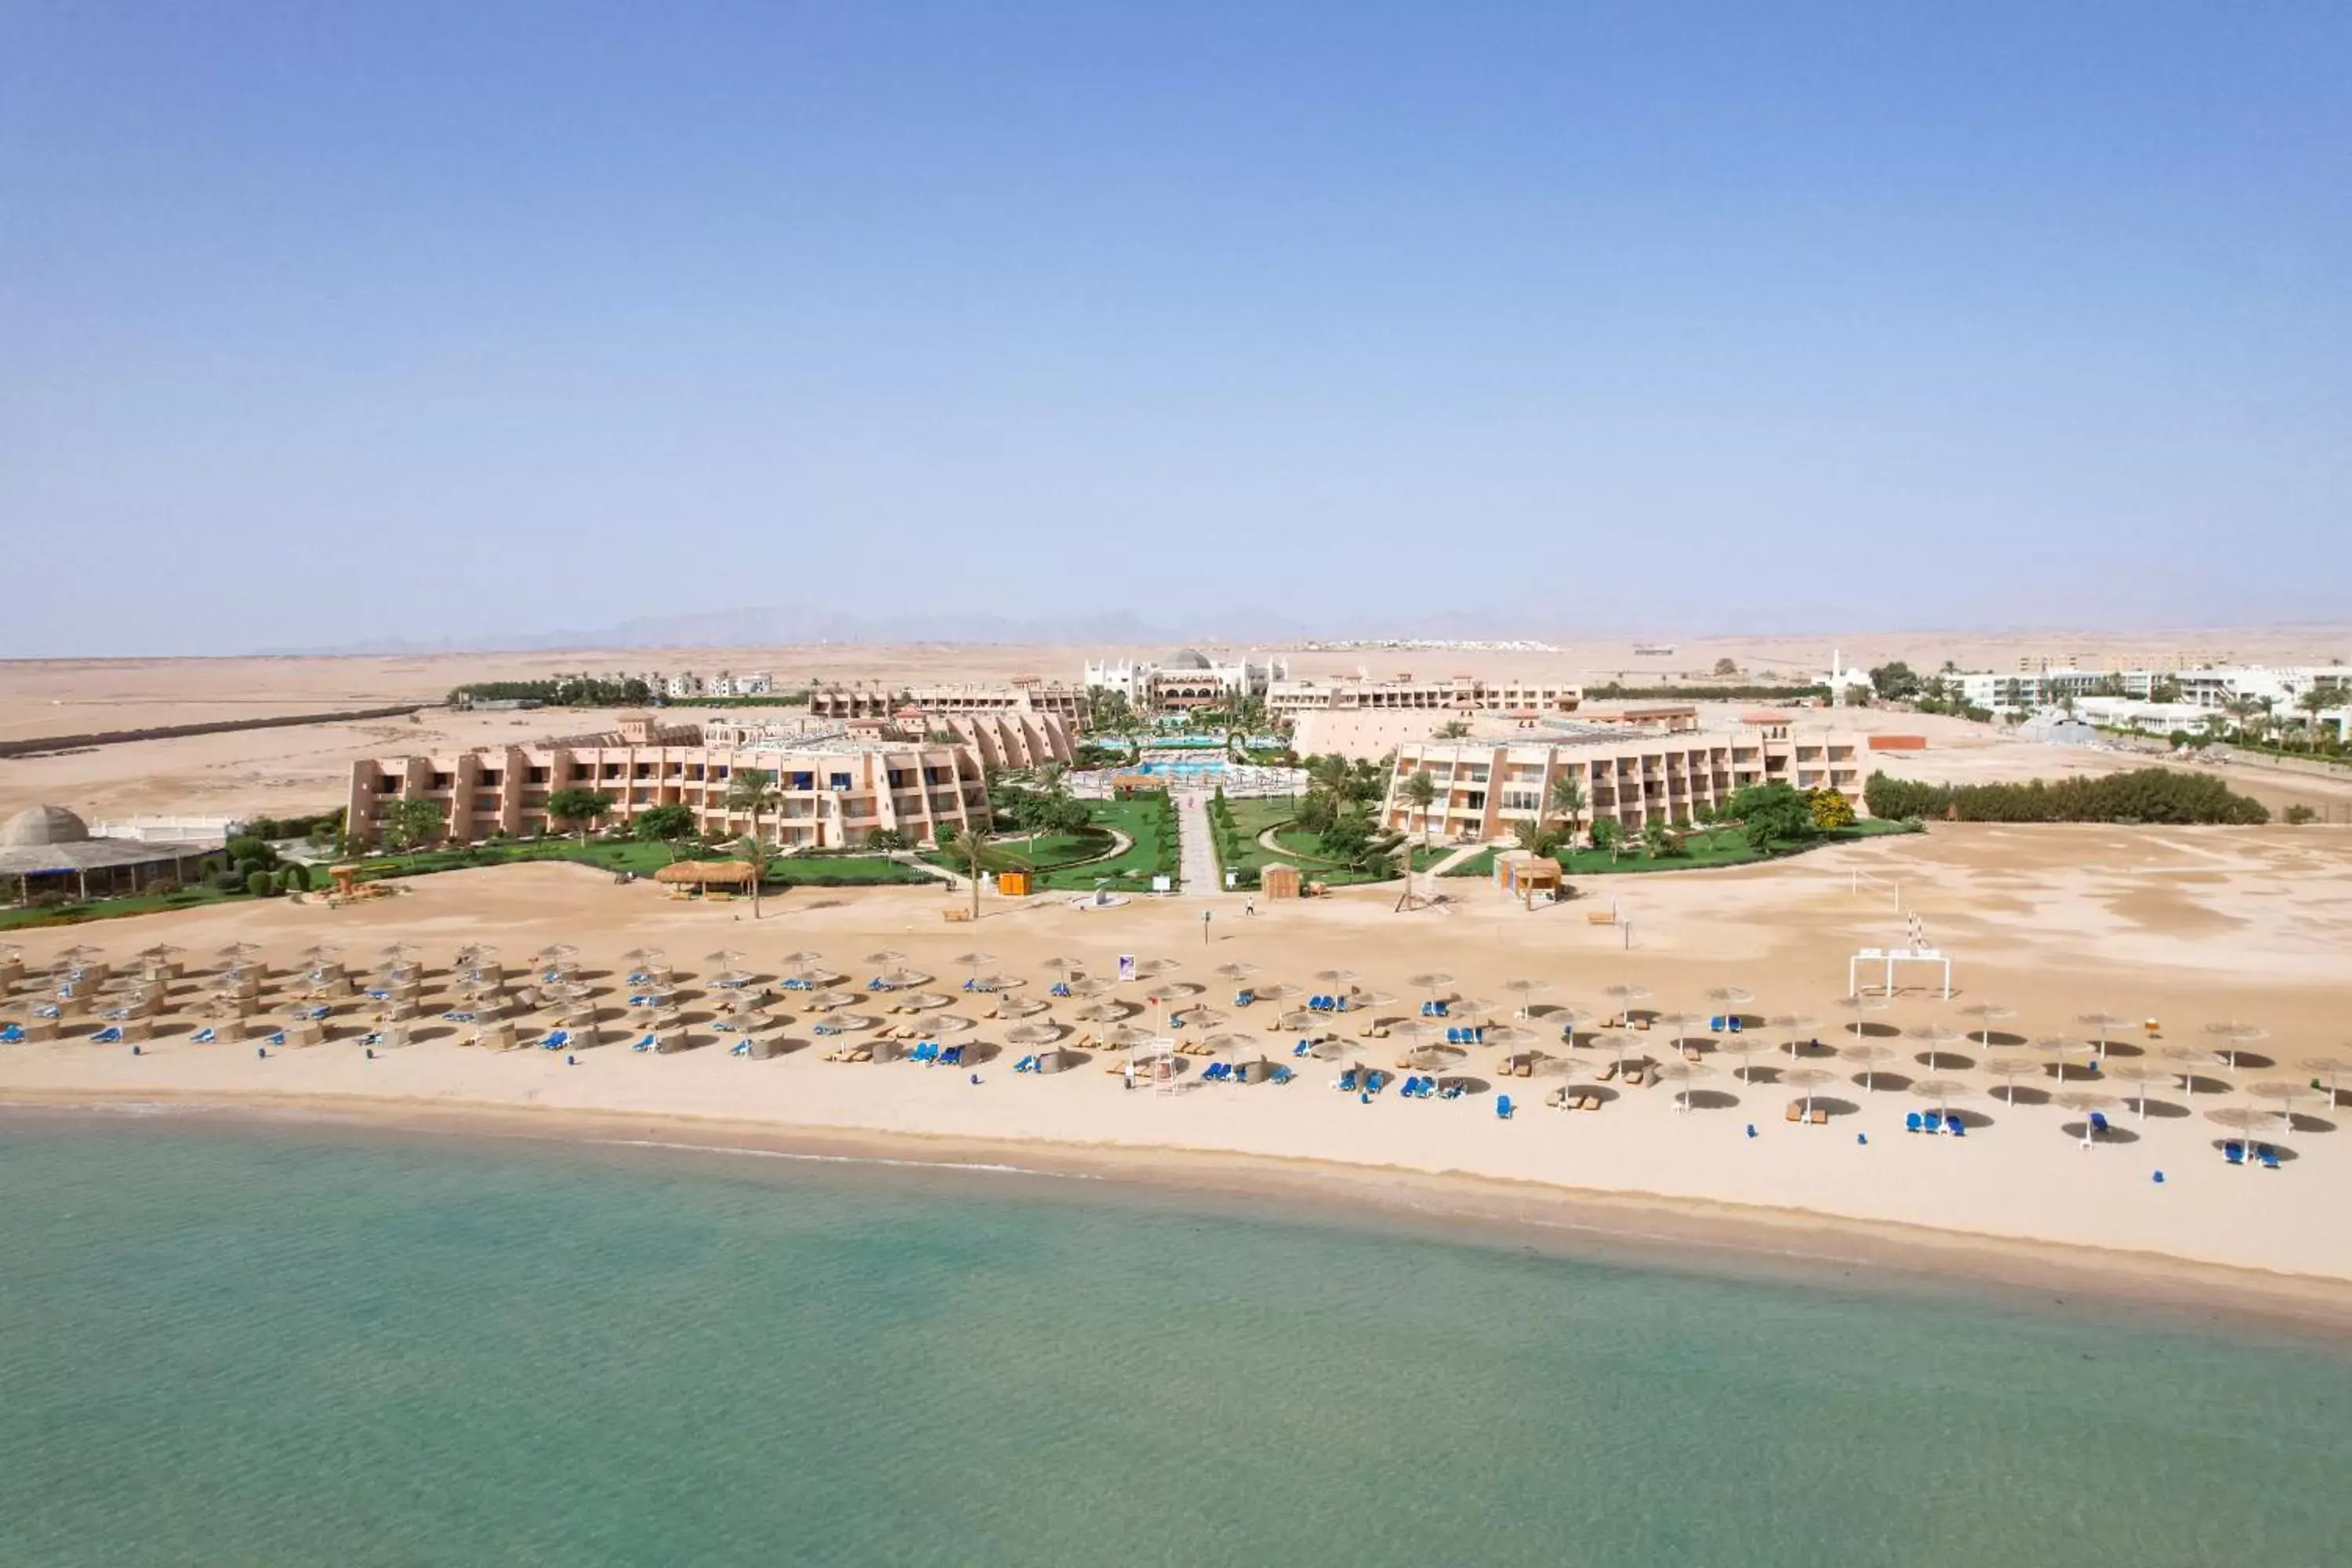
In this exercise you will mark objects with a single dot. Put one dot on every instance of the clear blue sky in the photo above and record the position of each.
(324, 321)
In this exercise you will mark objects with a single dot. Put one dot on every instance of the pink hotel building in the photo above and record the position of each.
(835, 786)
(1484, 787)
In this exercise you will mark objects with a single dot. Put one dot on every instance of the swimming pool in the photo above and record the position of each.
(1183, 767)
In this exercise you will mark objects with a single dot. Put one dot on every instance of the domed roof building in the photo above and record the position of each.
(46, 850)
(42, 824)
(1186, 659)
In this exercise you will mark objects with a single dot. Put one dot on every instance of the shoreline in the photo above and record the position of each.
(1626, 1227)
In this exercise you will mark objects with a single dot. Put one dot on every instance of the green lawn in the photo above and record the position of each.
(1147, 821)
(1298, 846)
(110, 909)
(1064, 861)
(643, 859)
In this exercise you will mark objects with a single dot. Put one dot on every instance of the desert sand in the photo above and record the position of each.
(2184, 927)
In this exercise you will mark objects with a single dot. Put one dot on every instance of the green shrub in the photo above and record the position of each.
(2298, 814)
(2158, 796)
(259, 884)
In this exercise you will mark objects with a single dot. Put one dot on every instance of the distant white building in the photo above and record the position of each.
(1185, 679)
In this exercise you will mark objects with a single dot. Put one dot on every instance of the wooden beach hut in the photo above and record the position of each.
(689, 878)
(1527, 876)
(1280, 882)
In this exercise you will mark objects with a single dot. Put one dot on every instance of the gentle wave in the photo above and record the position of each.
(990, 1169)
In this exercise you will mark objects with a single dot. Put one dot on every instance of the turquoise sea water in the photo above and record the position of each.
(286, 1345)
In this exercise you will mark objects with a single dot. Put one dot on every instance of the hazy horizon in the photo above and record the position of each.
(330, 325)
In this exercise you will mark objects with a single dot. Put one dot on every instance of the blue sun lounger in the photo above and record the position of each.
(1503, 1109)
(12, 1035)
(279, 1038)
(644, 1043)
(556, 1040)
(1026, 1064)
(953, 1056)
(1243, 998)
(1347, 1084)
(461, 1017)
(1914, 1122)
(739, 1048)
(1453, 1091)
(2267, 1157)
(1954, 1125)
(109, 1036)
(2099, 1128)
(2234, 1153)
(1061, 988)
(1280, 1075)
(204, 1037)
(48, 1010)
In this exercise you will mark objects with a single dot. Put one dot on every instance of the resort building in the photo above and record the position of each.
(2204, 687)
(834, 787)
(1006, 738)
(1185, 679)
(1454, 694)
(1485, 787)
(47, 851)
(1022, 693)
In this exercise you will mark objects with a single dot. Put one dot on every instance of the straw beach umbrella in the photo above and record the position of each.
(1685, 1074)
(2058, 1048)
(1617, 1045)
(1870, 1054)
(876, 959)
(2285, 1093)
(1942, 1090)
(2086, 1100)
(2248, 1120)
(1728, 999)
(1234, 972)
(1021, 1008)
(1525, 988)
(2009, 1069)
(1091, 987)
(1988, 1013)
(1790, 1025)
(1807, 1080)
(1625, 994)
(1935, 1037)
(1334, 976)
(1033, 1034)
(2102, 1023)
(2192, 1059)
(2235, 1036)
(2140, 1075)
(2330, 1068)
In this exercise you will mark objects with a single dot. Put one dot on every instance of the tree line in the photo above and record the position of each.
(2143, 795)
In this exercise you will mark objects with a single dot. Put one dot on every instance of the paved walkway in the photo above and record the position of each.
(1455, 858)
(1198, 864)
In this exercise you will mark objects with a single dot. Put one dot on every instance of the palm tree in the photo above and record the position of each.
(1566, 799)
(970, 851)
(753, 791)
(754, 854)
(1419, 792)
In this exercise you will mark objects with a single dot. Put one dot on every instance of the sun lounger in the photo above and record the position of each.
(1280, 1075)
(1453, 1091)
(556, 1040)
(2267, 1157)
(1345, 1083)
(1955, 1126)
(1243, 998)
(279, 1038)
(953, 1056)
(644, 1043)
(1912, 1120)
(1636, 1077)
(1503, 1109)
(1608, 1072)
(461, 1017)
(1797, 1113)
(2099, 1128)
(109, 1036)
(2234, 1153)
(12, 1035)
(1589, 1103)
(1820, 1117)
(739, 1048)
(204, 1037)
(48, 1010)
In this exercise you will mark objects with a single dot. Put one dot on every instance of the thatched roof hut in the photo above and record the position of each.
(731, 874)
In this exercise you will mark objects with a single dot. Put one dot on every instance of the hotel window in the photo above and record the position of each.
(804, 781)
(837, 781)
(1520, 800)
(536, 775)
(582, 771)
(490, 777)
(440, 780)
(1475, 800)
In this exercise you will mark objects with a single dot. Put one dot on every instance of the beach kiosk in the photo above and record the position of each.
(689, 878)
(1280, 882)
(1527, 876)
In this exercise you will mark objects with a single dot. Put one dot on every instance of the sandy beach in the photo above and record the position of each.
(2184, 927)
